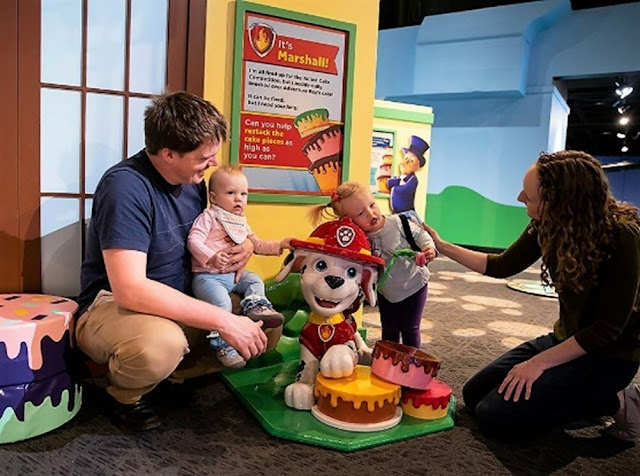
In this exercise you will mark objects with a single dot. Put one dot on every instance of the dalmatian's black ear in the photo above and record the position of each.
(292, 263)
(288, 258)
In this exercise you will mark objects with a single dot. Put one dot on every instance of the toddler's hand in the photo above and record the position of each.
(286, 244)
(430, 253)
(427, 255)
(219, 260)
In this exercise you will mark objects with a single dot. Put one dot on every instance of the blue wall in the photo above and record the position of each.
(624, 180)
(489, 75)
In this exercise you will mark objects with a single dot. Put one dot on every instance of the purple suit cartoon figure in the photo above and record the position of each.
(403, 188)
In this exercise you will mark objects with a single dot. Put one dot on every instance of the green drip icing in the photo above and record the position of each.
(38, 420)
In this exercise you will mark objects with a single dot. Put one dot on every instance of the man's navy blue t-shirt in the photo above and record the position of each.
(135, 208)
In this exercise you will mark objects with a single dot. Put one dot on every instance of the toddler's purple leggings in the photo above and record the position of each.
(402, 318)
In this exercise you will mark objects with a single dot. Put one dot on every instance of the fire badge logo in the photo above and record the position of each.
(262, 37)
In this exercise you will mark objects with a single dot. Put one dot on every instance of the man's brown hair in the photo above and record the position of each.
(182, 122)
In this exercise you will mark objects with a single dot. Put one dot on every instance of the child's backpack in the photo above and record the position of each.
(407, 232)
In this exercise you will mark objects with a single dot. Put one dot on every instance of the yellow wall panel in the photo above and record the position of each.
(276, 221)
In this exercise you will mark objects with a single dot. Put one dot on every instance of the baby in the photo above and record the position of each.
(402, 297)
(217, 228)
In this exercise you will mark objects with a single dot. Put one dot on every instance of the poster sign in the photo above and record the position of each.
(293, 91)
(381, 161)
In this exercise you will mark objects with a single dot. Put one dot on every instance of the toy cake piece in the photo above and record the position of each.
(37, 392)
(311, 122)
(360, 402)
(403, 365)
(429, 404)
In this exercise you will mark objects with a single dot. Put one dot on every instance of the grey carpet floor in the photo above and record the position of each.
(468, 321)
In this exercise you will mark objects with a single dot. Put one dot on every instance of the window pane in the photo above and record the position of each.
(148, 46)
(105, 118)
(88, 203)
(106, 44)
(59, 141)
(137, 107)
(61, 246)
(61, 41)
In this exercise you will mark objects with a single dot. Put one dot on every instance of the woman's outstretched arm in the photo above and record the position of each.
(474, 260)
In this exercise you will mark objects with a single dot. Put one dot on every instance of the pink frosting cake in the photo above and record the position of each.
(37, 392)
(403, 365)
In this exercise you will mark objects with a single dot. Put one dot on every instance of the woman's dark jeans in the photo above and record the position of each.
(583, 388)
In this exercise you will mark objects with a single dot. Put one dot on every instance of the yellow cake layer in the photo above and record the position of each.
(424, 412)
(360, 387)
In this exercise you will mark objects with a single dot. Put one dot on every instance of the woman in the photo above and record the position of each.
(590, 249)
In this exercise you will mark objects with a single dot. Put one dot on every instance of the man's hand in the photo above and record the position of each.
(244, 335)
(520, 377)
(238, 256)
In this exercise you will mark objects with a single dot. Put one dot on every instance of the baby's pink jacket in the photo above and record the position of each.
(208, 236)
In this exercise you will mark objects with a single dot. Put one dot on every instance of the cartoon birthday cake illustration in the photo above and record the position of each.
(384, 173)
(323, 147)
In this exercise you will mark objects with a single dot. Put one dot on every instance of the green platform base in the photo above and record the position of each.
(261, 390)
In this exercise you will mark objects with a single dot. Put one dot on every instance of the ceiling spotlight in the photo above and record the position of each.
(623, 90)
(624, 149)
(620, 135)
(623, 109)
(624, 121)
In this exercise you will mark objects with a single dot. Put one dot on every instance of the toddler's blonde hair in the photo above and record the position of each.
(333, 210)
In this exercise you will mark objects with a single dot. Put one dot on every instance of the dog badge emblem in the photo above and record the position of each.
(262, 38)
(326, 332)
(345, 236)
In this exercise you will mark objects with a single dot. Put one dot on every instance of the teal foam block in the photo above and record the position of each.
(261, 390)
(532, 287)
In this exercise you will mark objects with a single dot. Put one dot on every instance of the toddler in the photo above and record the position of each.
(401, 298)
(217, 228)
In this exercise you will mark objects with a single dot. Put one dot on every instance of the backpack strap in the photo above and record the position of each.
(407, 232)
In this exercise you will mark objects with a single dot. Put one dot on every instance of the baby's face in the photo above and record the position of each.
(230, 192)
(410, 163)
(363, 211)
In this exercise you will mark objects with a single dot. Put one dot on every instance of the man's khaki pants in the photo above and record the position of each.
(141, 350)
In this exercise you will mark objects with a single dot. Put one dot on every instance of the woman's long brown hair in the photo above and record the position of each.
(579, 218)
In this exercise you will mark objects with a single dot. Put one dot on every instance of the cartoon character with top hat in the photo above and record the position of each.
(403, 188)
(336, 268)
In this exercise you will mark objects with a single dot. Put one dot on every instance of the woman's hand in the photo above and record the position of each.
(521, 376)
(434, 234)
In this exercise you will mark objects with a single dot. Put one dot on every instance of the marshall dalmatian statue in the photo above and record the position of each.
(336, 268)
